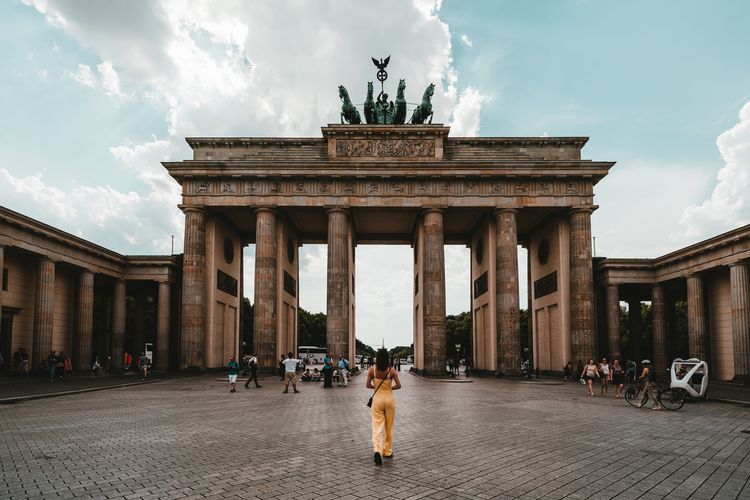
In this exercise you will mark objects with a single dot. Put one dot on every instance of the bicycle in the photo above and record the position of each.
(670, 399)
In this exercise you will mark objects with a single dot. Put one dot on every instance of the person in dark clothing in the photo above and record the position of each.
(281, 368)
(253, 363)
(52, 365)
(328, 371)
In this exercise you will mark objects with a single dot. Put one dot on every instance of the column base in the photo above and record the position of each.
(430, 374)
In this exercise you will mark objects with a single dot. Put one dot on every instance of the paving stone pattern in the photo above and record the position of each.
(191, 438)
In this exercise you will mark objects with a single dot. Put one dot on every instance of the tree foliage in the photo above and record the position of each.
(458, 330)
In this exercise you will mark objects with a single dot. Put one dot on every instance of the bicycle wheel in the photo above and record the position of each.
(633, 396)
(671, 399)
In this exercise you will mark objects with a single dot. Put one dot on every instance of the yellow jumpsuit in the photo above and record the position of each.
(383, 412)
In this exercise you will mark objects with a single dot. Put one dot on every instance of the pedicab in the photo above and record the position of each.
(689, 377)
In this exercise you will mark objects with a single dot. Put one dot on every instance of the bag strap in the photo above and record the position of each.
(381, 383)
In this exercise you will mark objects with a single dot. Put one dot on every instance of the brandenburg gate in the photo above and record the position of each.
(390, 184)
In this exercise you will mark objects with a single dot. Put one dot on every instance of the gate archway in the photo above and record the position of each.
(408, 184)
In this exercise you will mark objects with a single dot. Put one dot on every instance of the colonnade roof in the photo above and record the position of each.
(713, 253)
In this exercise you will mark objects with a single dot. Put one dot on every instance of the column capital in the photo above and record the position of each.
(266, 210)
(588, 209)
(499, 211)
(739, 263)
(192, 208)
(343, 210)
(433, 210)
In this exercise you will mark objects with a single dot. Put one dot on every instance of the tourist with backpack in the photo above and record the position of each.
(253, 364)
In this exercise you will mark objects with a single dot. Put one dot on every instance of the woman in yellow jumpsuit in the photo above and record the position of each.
(384, 379)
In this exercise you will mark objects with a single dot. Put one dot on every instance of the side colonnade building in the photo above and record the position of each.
(63, 293)
(707, 283)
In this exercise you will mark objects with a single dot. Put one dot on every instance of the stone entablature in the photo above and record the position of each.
(25, 233)
(473, 190)
(382, 165)
(721, 250)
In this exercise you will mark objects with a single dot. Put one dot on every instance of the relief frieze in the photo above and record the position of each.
(385, 148)
(390, 187)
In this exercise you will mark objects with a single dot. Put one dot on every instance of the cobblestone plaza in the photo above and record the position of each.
(190, 438)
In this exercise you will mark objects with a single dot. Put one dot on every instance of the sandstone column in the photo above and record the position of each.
(508, 319)
(2, 264)
(696, 318)
(118, 326)
(84, 332)
(43, 311)
(613, 322)
(435, 339)
(139, 335)
(582, 336)
(264, 310)
(162, 327)
(337, 303)
(659, 330)
(193, 320)
(739, 279)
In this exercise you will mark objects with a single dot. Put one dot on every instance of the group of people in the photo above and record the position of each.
(142, 363)
(615, 374)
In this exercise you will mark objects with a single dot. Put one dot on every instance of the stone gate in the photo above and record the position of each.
(390, 184)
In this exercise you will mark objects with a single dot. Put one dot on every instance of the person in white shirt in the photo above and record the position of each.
(290, 372)
(604, 369)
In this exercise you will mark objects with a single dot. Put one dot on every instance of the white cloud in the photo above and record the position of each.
(84, 76)
(105, 78)
(642, 187)
(110, 81)
(729, 204)
(466, 115)
(465, 38)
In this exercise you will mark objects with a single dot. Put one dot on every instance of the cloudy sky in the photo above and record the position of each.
(96, 93)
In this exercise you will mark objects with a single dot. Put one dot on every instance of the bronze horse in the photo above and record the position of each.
(348, 111)
(424, 110)
(370, 106)
(400, 116)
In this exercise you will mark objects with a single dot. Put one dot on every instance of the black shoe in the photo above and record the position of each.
(377, 458)
(247, 386)
(258, 386)
(285, 391)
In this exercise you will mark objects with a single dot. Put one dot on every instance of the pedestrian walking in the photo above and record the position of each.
(384, 379)
(648, 377)
(290, 372)
(253, 364)
(590, 373)
(604, 371)
(143, 365)
(234, 368)
(630, 365)
(343, 366)
(327, 371)
(618, 378)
